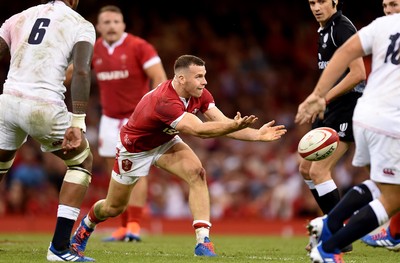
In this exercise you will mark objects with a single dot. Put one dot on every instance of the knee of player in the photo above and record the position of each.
(197, 175)
(88, 162)
(319, 173)
(83, 159)
(304, 171)
(79, 168)
(78, 175)
(304, 168)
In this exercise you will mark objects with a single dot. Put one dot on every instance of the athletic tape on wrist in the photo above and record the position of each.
(78, 120)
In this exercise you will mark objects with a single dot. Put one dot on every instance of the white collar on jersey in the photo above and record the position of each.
(184, 100)
(110, 48)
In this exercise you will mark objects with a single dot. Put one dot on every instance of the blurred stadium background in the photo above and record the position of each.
(261, 59)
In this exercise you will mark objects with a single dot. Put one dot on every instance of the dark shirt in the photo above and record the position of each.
(336, 31)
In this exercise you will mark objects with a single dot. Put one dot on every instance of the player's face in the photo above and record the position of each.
(391, 6)
(111, 26)
(196, 81)
(322, 10)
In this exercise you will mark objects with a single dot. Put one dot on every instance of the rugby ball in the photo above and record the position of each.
(318, 144)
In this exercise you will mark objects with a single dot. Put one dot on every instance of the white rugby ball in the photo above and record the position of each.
(318, 144)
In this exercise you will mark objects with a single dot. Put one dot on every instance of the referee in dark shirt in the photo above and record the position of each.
(334, 30)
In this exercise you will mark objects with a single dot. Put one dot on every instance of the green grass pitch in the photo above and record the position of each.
(21, 247)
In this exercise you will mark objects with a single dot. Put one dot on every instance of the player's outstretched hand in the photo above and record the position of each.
(72, 139)
(311, 107)
(244, 122)
(268, 132)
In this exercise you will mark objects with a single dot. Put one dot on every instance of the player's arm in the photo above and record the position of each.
(3, 48)
(356, 68)
(355, 76)
(191, 124)
(156, 74)
(80, 82)
(314, 104)
(267, 132)
(80, 90)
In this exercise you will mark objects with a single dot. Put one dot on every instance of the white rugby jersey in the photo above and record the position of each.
(379, 107)
(41, 40)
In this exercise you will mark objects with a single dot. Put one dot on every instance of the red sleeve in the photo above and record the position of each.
(145, 51)
(169, 110)
(206, 100)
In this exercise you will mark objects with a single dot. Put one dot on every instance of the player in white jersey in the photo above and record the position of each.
(388, 236)
(42, 41)
(376, 123)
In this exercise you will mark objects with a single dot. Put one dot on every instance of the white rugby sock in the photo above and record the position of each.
(202, 229)
(68, 212)
(379, 210)
(325, 187)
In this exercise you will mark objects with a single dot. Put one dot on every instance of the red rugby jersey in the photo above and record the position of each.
(120, 73)
(153, 121)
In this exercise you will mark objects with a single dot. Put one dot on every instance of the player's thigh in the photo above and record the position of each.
(362, 156)
(332, 160)
(140, 189)
(181, 161)
(12, 136)
(46, 122)
(385, 158)
(323, 167)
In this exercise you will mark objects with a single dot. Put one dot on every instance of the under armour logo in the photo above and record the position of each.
(343, 127)
(388, 171)
(325, 40)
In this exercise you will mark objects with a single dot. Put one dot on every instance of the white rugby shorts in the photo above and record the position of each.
(379, 151)
(109, 135)
(45, 121)
(133, 165)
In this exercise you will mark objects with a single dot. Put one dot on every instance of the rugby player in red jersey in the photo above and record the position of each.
(151, 137)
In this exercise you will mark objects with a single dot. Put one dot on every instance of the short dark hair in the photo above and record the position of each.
(185, 61)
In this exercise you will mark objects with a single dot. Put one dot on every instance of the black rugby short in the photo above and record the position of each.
(339, 115)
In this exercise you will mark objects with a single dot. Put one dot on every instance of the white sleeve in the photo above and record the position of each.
(86, 33)
(5, 31)
(367, 35)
